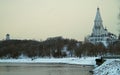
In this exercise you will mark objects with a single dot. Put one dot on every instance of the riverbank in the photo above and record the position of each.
(48, 66)
(44, 65)
(109, 67)
(79, 61)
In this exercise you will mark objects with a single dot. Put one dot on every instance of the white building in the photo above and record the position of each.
(99, 33)
(7, 36)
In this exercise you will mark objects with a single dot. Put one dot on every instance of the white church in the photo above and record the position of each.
(99, 33)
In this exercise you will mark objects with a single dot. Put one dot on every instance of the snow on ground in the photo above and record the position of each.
(80, 61)
(110, 67)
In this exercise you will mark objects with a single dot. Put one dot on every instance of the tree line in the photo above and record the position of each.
(55, 47)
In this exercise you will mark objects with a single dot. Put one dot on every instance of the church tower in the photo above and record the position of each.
(99, 33)
(98, 28)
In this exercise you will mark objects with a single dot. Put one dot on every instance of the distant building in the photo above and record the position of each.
(7, 36)
(99, 33)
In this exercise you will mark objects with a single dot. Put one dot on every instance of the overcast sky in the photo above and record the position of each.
(40, 19)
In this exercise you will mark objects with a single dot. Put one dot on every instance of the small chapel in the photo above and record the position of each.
(99, 33)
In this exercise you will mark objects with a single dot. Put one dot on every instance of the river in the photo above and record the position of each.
(43, 69)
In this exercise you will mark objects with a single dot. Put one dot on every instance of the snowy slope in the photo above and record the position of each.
(110, 67)
(81, 61)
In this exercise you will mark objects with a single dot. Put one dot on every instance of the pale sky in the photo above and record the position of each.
(40, 19)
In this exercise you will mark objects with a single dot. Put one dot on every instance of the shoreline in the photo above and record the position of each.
(90, 61)
(42, 65)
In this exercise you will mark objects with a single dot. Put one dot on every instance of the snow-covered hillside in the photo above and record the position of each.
(110, 67)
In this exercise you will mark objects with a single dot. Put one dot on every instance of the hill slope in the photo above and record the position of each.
(110, 67)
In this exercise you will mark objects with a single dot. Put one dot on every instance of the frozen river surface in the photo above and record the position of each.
(44, 69)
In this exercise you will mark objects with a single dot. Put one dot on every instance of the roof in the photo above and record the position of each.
(98, 16)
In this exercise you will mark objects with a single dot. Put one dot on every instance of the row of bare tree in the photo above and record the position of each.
(55, 47)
